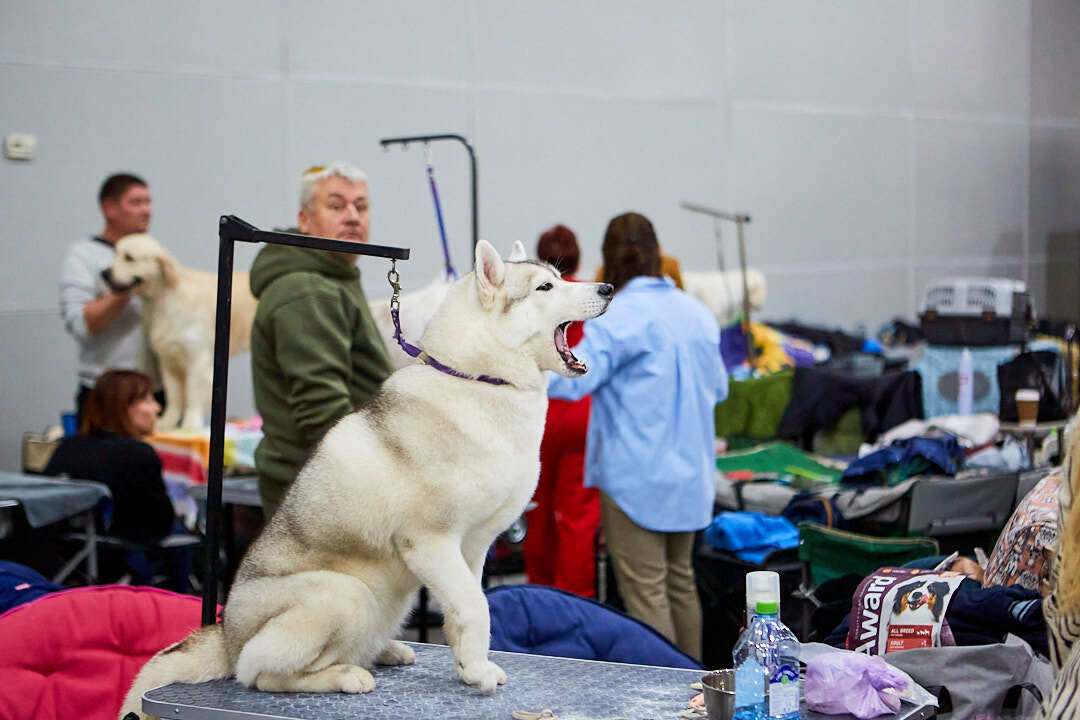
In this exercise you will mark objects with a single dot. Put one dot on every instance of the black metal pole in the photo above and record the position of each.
(217, 419)
(230, 230)
(385, 142)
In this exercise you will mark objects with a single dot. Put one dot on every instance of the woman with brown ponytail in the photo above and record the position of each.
(655, 376)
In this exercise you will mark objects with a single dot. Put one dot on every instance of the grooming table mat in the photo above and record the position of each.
(573, 689)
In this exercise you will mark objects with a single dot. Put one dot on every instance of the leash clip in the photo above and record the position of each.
(393, 278)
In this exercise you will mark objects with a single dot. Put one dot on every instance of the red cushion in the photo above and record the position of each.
(74, 653)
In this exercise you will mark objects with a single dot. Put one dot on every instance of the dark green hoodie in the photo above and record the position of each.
(316, 354)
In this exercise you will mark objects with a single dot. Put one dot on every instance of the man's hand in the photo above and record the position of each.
(101, 311)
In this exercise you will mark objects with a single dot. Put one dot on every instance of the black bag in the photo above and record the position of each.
(1042, 370)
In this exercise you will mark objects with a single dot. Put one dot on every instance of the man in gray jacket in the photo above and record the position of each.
(107, 325)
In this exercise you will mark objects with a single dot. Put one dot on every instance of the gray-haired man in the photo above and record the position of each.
(316, 353)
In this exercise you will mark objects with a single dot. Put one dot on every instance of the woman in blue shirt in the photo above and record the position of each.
(655, 376)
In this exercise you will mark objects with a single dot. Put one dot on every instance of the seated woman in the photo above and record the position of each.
(119, 414)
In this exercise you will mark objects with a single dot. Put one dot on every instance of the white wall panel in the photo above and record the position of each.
(822, 188)
(1055, 58)
(585, 160)
(200, 36)
(806, 52)
(38, 380)
(970, 189)
(970, 56)
(862, 297)
(416, 42)
(607, 47)
(1055, 184)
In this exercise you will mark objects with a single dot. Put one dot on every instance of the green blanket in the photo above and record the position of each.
(781, 459)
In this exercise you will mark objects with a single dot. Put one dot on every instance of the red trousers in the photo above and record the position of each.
(559, 548)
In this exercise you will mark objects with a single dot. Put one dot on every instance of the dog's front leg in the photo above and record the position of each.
(438, 563)
(197, 392)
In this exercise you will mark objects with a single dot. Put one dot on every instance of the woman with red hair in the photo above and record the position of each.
(120, 412)
(559, 549)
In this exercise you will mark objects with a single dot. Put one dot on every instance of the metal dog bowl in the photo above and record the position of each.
(719, 689)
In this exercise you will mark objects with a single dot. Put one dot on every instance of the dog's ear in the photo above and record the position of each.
(517, 254)
(901, 596)
(168, 270)
(938, 591)
(490, 271)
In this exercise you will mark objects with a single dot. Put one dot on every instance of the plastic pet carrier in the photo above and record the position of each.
(976, 311)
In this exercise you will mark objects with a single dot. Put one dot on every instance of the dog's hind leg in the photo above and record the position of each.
(298, 650)
(336, 678)
(335, 623)
(439, 564)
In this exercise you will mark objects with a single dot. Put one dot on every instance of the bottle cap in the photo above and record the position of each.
(766, 608)
(762, 586)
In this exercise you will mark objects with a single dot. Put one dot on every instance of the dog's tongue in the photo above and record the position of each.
(561, 343)
(563, 348)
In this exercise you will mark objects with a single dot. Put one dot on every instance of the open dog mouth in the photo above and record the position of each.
(563, 348)
(106, 275)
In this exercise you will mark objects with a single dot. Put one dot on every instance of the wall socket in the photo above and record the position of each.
(20, 146)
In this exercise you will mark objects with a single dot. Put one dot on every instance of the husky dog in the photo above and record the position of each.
(178, 318)
(410, 490)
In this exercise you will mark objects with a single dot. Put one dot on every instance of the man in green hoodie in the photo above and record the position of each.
(316, 353)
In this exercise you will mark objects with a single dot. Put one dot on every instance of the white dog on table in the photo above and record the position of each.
(179, 308)
(410, 490)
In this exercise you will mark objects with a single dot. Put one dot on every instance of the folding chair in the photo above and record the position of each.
(94, 542)
(828, 553)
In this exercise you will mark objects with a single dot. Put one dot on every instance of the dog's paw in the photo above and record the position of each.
(355, 679)
(484, 675)
(396, 653)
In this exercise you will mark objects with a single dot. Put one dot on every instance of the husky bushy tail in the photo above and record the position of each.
(197, 658)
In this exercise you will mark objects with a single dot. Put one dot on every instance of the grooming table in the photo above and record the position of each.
(572, 689)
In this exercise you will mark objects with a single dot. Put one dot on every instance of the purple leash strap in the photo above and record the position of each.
(413, 351)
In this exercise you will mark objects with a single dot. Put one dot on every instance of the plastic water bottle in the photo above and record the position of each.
(766, 659)
(760, 585)
(965, 384)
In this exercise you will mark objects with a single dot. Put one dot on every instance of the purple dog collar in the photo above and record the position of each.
(413, 351)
